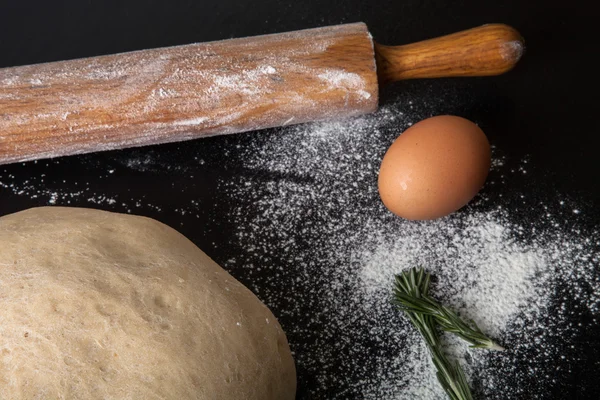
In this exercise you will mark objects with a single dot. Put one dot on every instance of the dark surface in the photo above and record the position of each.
(544, 109)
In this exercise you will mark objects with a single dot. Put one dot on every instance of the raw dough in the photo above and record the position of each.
(99, 305)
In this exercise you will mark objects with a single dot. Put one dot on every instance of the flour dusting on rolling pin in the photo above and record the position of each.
(185, 92)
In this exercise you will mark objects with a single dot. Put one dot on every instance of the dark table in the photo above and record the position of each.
(543, 110)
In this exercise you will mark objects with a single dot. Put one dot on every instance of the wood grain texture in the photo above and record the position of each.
(487, 50)
(184, 92)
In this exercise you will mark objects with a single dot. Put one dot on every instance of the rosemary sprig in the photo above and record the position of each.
(415, 283)
(447, 319)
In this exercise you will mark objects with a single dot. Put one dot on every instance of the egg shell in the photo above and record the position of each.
(434, 168)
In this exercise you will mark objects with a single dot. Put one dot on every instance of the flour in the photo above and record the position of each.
(321, 248)
(35, 188)
(192, 121)
(349, 81)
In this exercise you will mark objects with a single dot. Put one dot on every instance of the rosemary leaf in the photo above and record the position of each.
(414, 284)
(405, 298)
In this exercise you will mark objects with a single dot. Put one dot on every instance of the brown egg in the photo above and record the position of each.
(434, 168)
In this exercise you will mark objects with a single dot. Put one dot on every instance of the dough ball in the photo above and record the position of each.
(99, 305)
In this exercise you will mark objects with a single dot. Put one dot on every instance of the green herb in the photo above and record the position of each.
(411, 296)
(447, 319)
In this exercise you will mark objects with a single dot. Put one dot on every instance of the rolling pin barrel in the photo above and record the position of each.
(185, 92)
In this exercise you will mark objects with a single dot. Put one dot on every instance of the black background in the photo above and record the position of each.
(545, 109)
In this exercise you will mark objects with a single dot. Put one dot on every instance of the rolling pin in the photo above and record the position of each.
(190, 91)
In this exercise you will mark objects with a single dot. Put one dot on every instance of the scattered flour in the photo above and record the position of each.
(347, 80)
(322, 250)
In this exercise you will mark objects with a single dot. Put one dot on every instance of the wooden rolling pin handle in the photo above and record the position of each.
(483, 51)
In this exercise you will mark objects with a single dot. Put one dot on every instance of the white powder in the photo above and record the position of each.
(347, 80)
(36, 187)
(321, 249)
(480, 264)
(192, 121)
(99, 190)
